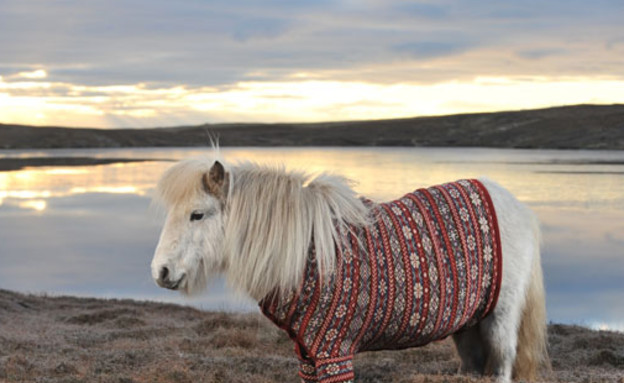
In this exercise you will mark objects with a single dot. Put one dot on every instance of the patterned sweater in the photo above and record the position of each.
(429, 266)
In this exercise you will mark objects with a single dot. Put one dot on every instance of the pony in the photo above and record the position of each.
(342, 274)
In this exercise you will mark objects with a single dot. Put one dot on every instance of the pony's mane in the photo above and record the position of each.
(273, 217)
(182, 182)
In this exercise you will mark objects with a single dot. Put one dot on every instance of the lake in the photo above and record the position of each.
(90, 231)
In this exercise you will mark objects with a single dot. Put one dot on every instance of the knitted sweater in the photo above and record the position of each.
(429, 266)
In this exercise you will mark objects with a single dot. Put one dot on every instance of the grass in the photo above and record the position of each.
(65, 339)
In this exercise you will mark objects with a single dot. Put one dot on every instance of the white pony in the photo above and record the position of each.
(257, 226)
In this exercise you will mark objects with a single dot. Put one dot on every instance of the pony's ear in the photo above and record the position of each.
(215, 181)
(217, 173)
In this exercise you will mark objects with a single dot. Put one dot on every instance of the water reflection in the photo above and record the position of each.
(89, 231)
(38, 183)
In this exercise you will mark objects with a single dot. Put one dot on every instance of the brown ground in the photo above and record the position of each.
(65, 339)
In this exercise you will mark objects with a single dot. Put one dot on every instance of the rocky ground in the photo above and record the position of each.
(67, 339)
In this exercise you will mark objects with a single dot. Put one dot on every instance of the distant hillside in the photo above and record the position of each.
(570, 127)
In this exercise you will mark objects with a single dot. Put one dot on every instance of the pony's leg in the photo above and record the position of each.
(307, 371)
(471, 350)
(499, 329)
(519, 231)
(500, 334)
(335, 370)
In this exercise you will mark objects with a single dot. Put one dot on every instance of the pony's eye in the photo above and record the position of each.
(196, 216)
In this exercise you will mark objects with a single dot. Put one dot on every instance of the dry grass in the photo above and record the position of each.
(74, 340)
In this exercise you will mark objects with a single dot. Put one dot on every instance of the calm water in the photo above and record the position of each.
(90, 231)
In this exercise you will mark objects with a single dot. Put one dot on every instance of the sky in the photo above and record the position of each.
(132, 63)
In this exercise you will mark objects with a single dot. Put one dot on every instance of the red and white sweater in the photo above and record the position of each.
(428, 267)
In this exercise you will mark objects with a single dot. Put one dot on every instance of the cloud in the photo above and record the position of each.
(195, 43)
(259, 28)
(297, 99)
(220, 44)
(34, 74)
(422, 10)
(430, 49)
(537, 54)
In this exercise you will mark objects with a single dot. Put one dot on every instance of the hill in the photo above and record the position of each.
(68, 339)
(569, 127)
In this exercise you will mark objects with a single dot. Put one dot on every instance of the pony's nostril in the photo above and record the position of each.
(164, 273)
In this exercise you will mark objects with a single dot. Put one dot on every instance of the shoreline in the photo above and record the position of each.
(21, 163)
(12, 164)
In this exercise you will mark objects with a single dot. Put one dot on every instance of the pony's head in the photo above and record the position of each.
(253, 223)
(189, 251)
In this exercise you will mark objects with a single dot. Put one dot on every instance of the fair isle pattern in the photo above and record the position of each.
(428, 267)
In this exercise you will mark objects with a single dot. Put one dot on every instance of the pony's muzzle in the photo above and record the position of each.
(165, 281)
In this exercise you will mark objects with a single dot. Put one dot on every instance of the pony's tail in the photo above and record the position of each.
(532, 349)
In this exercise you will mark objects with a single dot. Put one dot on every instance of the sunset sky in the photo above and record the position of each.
(110, 63)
